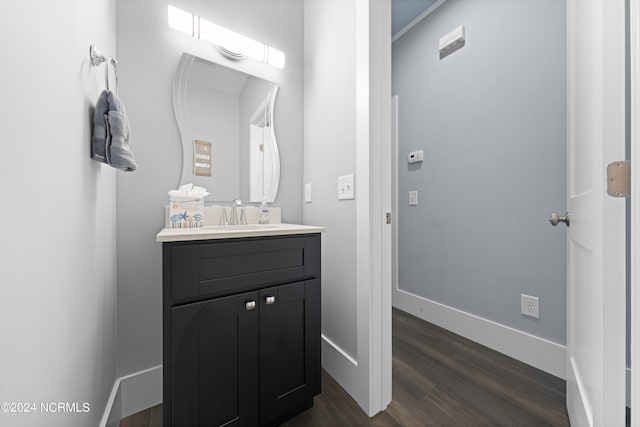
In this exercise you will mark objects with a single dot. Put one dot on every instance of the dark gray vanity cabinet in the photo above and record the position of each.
(241, 342)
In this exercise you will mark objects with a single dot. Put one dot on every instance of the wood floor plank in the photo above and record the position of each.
(155, 416)
(141, 419)
(439, 379)
(441, 362)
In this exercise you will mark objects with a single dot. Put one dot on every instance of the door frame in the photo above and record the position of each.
(634, 232)
(635, 214)
(373, 201)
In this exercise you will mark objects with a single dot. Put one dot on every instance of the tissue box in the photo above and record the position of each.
(186, 213)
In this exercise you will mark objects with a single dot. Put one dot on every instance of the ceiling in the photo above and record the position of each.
(405, 11)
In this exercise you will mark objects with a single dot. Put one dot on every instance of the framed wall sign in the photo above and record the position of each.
(201, 158)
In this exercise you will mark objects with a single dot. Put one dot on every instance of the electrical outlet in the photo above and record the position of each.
(530, 306)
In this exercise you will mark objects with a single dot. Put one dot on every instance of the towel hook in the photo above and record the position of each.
(98, 58)
(114, 64)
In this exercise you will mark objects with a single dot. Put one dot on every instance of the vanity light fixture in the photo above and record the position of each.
(231, 44)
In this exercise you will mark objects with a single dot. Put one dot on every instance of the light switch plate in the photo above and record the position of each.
(413, 198)
(307, 192)
(346, 187)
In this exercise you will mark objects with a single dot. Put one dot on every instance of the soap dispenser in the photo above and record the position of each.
(264, 212)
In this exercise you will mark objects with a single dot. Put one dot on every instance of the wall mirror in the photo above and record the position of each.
(226, 124)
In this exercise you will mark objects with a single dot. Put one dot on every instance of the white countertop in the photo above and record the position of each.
(233, 231)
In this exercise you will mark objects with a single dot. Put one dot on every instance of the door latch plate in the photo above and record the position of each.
(619, 178)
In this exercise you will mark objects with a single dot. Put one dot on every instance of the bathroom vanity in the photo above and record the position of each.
(241, 324)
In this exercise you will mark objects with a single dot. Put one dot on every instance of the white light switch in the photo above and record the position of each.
(307, 192)
(413, 198)
(346, 187)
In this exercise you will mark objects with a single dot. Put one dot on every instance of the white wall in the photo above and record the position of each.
(491, 121)
(57, 270)
(346, 118)
(148, 53)
(252, 97)
(329, 152)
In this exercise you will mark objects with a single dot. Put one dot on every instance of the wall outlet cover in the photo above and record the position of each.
(530, 306)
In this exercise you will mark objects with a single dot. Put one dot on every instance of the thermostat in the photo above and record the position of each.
(416, 156)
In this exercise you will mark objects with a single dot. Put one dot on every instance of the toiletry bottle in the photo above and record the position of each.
(264, 212)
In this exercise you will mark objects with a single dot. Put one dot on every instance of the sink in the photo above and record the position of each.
(248, 227)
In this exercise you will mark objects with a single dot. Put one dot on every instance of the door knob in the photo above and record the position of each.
(555, 219)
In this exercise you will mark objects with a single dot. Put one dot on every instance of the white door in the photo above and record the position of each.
(596, 236)
(634, 49)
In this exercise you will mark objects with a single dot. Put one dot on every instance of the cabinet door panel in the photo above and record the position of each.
(228, 354)
(284, 337)
(217, 357)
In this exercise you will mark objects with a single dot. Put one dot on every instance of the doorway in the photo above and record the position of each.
(490, 121)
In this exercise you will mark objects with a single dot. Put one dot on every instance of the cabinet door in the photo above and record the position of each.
(215, 362)
(289, 349)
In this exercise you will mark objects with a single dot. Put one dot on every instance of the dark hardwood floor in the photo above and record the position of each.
(439, 379)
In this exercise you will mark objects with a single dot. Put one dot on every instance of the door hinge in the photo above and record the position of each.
(619, 178)
(388, 217)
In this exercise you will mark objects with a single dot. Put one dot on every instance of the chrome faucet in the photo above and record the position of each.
(234, 212)
(237, 203)
(234, 220)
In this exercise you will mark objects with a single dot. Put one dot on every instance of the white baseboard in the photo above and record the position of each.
(581, 412)
(342, 367)
(113, 410)
(535, 351)
(133, 393)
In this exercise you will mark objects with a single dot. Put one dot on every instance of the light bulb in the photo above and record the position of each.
(181, 20)
(231, 41)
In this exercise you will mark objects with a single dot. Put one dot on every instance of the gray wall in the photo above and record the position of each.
(213, 116)
(57, 270)
(148, 53)
(491, 121)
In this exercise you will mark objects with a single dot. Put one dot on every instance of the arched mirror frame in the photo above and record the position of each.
(180, 108)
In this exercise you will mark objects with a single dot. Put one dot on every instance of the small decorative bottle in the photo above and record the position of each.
(264, 212)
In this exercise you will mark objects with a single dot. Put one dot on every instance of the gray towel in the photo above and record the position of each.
(110, 140)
